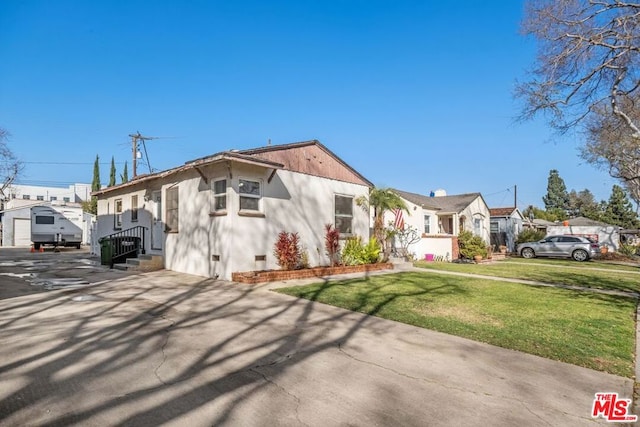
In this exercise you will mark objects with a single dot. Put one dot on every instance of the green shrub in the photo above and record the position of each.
(371, 251)
(530, 235)
(354, 252)
(471, 245)
(628, 250)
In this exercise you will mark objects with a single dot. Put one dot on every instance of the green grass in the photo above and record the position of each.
(596, 264)
(587, 275)
(585, 329)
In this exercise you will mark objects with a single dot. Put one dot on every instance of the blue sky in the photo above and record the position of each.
(415, 95)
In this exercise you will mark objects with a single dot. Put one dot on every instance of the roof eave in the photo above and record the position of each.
(195, 164)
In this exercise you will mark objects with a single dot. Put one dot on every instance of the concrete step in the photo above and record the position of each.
(146, 263)
(121, 266)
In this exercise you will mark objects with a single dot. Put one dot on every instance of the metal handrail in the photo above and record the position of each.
(126, 242)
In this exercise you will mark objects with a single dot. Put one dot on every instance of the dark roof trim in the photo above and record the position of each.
(204, 161)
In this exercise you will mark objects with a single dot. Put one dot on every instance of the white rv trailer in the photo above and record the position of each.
(51, 227)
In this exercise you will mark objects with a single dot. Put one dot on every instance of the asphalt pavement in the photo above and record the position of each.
(98, 347)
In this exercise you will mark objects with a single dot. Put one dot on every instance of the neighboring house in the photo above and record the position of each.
(505, 225)
(605, 234)
(222, 213)
(440, 219)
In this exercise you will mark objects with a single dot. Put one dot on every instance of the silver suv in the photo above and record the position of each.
(576, 247)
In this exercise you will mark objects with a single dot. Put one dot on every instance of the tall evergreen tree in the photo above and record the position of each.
(112, 173)
(125, 175)
(95, 184)
(91, 205)
(619, 210)
(557, 198)
(582, 203)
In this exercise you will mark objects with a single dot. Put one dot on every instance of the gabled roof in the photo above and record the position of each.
(271, 156)
(501, 211)
(582, 221)
(309, 157)
(455, 203)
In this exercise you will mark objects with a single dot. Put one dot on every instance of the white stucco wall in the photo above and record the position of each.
(477, 209)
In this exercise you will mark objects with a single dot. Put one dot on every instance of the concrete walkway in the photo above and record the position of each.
(165, 348)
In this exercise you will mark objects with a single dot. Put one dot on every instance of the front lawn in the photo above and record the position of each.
(590, 274)
(586, 329)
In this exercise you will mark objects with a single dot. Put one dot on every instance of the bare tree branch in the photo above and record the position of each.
(10, 166)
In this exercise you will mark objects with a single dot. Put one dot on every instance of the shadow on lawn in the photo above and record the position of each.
(363, 296)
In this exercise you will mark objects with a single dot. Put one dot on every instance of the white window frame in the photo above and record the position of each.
(477, 226)
(216, 196)
(496, 225)
(242, 195)
(134, 208)
(172, 214)
(117, 214)
(427, 224)
(337, 215)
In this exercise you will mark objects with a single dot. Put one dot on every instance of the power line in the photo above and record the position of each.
(70, 163)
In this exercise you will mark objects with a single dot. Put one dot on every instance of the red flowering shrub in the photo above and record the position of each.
(332, 244)
(287, 251)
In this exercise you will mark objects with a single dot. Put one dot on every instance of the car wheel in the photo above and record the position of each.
(528, 253)
(580, 255)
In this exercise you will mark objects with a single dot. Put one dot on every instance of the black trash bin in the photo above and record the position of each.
(106, 251)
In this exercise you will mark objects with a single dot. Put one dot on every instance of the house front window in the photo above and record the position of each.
(493, 227)
(477, 226)
(172, 212)
(250, 195)
(134, 208)
(26, 197)
(53, 198)
(117, 214)
(427, 224)
(219, 188)
(39, 197)
(344, 214)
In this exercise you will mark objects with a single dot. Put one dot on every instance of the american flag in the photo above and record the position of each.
(399, 220)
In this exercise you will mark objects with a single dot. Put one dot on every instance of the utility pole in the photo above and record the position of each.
(134, 148)
(515, 196)
(135, 137)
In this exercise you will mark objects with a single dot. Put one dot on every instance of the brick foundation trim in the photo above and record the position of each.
(252, 277)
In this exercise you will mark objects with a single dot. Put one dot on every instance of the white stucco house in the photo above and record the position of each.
(440, 218)
(222, 213)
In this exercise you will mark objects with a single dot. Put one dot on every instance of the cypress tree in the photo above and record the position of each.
(125, 175)
(91, 205)
(95, 184)
(112, 173)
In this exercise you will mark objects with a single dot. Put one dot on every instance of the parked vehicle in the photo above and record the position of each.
(576, 247)
(51, 227)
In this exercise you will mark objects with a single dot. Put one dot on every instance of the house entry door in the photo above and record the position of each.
(157, 226)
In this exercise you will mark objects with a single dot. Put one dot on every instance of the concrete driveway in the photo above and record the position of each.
(165, 348)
